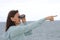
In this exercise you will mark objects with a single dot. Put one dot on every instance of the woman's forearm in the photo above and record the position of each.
(34, 25)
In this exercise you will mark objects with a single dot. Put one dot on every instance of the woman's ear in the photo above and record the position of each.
(12, 18)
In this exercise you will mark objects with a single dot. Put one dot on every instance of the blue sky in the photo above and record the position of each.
(33, 9)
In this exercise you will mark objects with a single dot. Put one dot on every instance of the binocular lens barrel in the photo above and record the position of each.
(21, 16)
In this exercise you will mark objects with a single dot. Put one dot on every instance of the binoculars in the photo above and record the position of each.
(21, 16)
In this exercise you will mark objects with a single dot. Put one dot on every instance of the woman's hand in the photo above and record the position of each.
(51, 18)
(24, 18)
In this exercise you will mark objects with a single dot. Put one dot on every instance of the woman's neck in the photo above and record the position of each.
(17, 24)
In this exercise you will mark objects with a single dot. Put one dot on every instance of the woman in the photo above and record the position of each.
(14, 30)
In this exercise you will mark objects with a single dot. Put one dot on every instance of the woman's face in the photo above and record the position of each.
(16, 19)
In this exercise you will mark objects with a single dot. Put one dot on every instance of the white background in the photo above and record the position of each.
(33, 9)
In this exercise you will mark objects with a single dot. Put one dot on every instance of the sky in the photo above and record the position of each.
(33, 9)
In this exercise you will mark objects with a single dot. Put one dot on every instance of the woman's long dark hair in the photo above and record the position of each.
(9, 22)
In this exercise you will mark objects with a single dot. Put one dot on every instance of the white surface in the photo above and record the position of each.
(33, 9)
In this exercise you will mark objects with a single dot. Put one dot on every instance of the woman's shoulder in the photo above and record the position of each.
(14, 27)
(11, 28)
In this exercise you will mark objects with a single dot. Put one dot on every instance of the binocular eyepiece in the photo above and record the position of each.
(21, 16)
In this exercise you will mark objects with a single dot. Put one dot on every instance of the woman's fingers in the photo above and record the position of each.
(55, 16)
(23, 20)
(51, 18)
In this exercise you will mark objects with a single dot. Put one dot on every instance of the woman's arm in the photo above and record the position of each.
(34, 25)
(17, 30)
(22, 29)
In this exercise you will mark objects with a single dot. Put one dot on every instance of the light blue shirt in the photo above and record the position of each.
(22, 30)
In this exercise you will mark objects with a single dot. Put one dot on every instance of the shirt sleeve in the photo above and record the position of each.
(34, 25)
(5, 36)
(22, 29)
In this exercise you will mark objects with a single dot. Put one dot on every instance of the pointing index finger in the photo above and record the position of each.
(55, 16)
